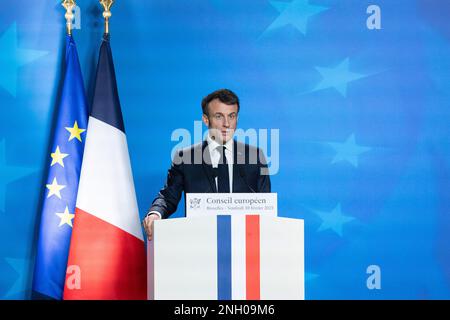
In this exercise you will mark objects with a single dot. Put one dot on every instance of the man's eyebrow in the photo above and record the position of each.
(228, 113)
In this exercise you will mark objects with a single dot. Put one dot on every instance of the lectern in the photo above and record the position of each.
(226, 257)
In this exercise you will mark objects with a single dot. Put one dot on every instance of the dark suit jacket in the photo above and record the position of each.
(250, 174)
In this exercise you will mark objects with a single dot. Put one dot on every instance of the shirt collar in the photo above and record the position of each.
(213, 145)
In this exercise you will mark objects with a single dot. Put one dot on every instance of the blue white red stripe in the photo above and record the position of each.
(227, 258)
(250, 241)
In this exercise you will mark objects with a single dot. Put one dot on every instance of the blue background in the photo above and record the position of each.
(364, 120)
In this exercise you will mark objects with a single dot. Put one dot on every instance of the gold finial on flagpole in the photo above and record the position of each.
(69, 5)
(107, 13)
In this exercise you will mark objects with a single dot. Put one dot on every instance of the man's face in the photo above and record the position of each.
(221, 120)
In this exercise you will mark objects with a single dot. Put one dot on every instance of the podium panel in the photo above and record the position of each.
(282, 259)
(226, 258)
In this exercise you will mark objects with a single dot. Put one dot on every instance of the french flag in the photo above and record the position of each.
(223, 257)
(107, 252)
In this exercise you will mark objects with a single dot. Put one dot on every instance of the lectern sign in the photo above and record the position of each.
(207, 204)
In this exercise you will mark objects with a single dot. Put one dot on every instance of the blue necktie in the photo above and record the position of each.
(223, 178)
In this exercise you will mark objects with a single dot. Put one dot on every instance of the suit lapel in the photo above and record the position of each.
(237, 166)
(207, 167)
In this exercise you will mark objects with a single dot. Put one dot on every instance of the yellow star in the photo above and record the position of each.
(66, 217)
(75, 132)
(55, 188)
(58, 157)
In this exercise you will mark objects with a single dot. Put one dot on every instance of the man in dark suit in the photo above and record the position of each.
(218, 164)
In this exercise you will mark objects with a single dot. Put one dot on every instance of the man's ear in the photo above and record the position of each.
(205, 120)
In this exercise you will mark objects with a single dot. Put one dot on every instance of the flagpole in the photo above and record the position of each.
(106, 13)
(69, 5)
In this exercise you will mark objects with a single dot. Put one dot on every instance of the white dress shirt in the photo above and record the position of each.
(214, 154)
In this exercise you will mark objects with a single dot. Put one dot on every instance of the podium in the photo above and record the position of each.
(226, 257)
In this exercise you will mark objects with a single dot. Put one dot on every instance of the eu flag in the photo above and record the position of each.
(62, 182)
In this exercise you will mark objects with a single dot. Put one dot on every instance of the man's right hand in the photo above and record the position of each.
(148, 225)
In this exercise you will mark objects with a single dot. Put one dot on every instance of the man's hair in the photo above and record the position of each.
(224, 95)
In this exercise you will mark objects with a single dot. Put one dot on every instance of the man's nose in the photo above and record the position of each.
(226, 123)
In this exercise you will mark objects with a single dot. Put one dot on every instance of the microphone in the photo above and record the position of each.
(244, 177)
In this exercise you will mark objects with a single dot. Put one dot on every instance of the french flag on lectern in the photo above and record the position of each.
(107, 253)
(226, 258)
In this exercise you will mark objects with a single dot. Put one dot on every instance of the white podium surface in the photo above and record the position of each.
(227, 257)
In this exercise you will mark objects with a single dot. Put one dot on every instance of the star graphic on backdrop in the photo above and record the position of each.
(57, 157)
(348, 151)
(12, 58)
(75, 132)
(295, 13)
(66, 217)
(8, 174)
(55, 188)
(333, 220)
(20, 266)
(337, 77)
